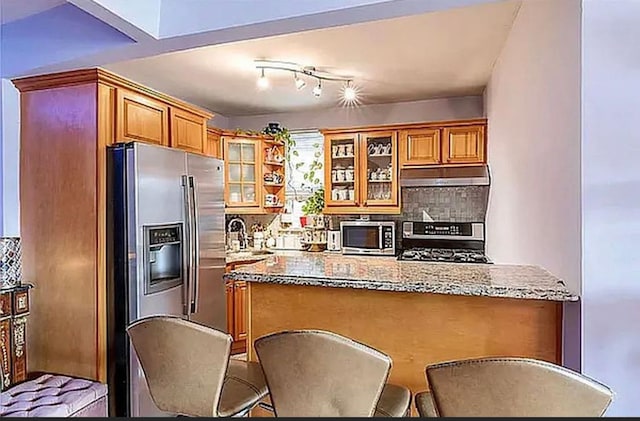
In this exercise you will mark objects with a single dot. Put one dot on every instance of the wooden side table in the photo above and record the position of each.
(14, 310)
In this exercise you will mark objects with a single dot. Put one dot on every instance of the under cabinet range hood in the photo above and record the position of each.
(477, 175)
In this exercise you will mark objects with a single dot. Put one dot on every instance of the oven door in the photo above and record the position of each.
(361, 238)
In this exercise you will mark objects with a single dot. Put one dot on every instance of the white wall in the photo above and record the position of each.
(611, 198)
(400, 112)
(219, 121)
(10, 159)
(533, 108)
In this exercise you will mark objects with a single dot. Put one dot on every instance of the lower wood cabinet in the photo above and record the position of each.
(236, 292)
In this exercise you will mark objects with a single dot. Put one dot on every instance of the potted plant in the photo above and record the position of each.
(314, 203)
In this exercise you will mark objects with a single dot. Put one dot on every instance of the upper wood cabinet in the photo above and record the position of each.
(242, 172)
(379, 169)
(213, 147)
(342, 170)
(463, 145)
(141, 118)
(188, 131)
(419, 147)
(448, 143)
(254, 173)
(361, 172)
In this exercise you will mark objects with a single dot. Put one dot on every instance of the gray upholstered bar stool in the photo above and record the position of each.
(188, 370)
(314, 373)
(510, 387)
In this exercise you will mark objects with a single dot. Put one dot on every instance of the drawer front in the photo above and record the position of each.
(20, 302)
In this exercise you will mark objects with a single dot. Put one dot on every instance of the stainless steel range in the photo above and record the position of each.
(459, 242)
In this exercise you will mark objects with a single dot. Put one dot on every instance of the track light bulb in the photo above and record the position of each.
(263, 82)
(317, 91)
(349, 92)
(300, 84)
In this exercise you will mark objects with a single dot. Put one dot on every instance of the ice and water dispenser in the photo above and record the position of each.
(163, 247)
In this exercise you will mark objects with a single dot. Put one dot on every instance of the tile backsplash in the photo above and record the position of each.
(445, 204)
(442, 204)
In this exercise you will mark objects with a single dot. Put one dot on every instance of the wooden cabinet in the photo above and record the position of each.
(240, 310)
(140, 118)
(379, 170)
(463, 145)
(242, 173)
(273, 182)
(419, 147)
(342, 171)
(188, 131)
(237, 312)
(81, 112)
(361, 172)
(14, 309)
(254, 173)
(213, 147)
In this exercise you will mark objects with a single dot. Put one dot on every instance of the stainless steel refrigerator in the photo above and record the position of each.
(165, 231)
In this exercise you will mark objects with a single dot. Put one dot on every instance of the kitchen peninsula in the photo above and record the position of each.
(417, 313)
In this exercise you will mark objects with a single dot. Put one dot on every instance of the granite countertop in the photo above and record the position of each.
(250, 256)
(389, 274)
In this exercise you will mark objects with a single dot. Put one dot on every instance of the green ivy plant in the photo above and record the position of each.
(314, 203)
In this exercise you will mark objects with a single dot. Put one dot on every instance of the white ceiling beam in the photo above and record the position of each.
(115, 20)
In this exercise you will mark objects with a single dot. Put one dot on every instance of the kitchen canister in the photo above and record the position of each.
(10, 262)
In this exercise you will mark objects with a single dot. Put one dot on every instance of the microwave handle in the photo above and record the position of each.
(380, 237)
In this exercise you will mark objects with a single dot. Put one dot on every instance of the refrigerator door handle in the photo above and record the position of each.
(186, 249)
(196, 246)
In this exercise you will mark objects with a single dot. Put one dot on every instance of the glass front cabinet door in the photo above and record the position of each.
(379, 173)
(342, 170)
(242, 158)
(361, 172)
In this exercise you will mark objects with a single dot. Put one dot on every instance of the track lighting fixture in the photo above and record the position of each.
(300, 84)
(317, 91)
(263, 82)
(349, 92)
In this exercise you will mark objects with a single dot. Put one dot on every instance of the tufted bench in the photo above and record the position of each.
(55, 396)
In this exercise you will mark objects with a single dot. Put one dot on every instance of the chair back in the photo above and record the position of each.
(514, 387)
(184, 363)
(313, 373)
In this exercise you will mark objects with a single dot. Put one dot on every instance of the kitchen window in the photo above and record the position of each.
(308, 142)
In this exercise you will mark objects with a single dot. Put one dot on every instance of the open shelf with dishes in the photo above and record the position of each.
(273, 176)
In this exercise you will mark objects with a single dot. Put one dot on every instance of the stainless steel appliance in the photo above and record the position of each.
(166, 254)
(460, 242)
(333, 241)
(368, 237)
(475, 175)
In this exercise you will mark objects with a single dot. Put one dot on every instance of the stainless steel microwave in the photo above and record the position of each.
(368, 237)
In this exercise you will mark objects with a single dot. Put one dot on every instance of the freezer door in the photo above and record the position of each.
(207, 292)
(156, 210)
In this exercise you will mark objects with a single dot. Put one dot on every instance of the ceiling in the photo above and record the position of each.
(12, 10)
(447, 53)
